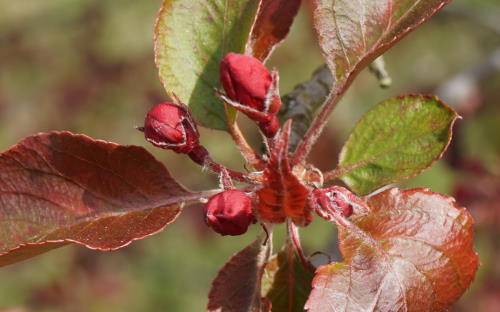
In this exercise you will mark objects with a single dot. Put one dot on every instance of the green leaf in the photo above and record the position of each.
(397, 139)
(286, 283)
(191, 37)
(412, 252)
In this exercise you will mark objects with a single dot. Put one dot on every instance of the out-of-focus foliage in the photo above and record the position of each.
(87, 66)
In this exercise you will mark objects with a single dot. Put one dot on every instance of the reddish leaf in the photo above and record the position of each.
(286, 283)
(283, 195)
(273, 22)
(352, 33)
(236, 288)
(59, 187)
(412, 253)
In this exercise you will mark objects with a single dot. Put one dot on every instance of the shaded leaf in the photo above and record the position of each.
(59, 187)
(301, 104)
(236, 288)
(273, 22)
(397, 139)
(282, 195)
(191, 37)
(352, 33)
(412, 253)
(286, 283)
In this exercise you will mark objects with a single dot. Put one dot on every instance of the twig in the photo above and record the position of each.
(318, 125)
(210, 164)
(251, 157)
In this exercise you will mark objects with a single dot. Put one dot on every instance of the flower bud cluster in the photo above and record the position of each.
(251, 89)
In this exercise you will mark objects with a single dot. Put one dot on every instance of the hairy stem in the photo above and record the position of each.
(238, 176)
(195, 197)
(335, 174)
(201, 156)
(317, 126)
(294, 240)
(250, 156)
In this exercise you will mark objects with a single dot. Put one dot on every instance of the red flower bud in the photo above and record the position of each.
(252, 89)
(170, 126)
(229, 212)
(270, 127)
(336, 197)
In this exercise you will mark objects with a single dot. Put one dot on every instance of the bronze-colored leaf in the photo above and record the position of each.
(286, 282)
(413, 252)
(57, 188)
(273, 22)
(353, 33)
(236, 288)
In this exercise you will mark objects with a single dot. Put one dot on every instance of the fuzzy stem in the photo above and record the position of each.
(294, 240)
(201, 156)
(334, 174)
(225, 179)
(251, 157)
(317, 127)
(218, 168)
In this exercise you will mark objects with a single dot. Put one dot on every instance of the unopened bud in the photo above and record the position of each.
(170, 126)
(337, 198)
(229, 212)
(251, 89)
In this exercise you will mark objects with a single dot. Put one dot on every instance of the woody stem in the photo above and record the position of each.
(315, 130)
(321, 119)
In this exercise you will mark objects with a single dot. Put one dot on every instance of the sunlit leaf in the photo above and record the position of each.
(397, 139)
(352, 33)
(191, 37)
(236, 288)
(283, 195)
(413, 252)
(57, 188)
(274, 19)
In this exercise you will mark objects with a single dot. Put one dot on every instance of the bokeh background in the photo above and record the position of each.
(87, 66)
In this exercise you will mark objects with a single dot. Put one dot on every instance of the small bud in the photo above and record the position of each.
(170, 126)
(252, 89)
(340, 202)
(229, 212)
(335, 197)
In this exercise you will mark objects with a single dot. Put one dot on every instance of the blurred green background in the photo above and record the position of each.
(87, 66)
